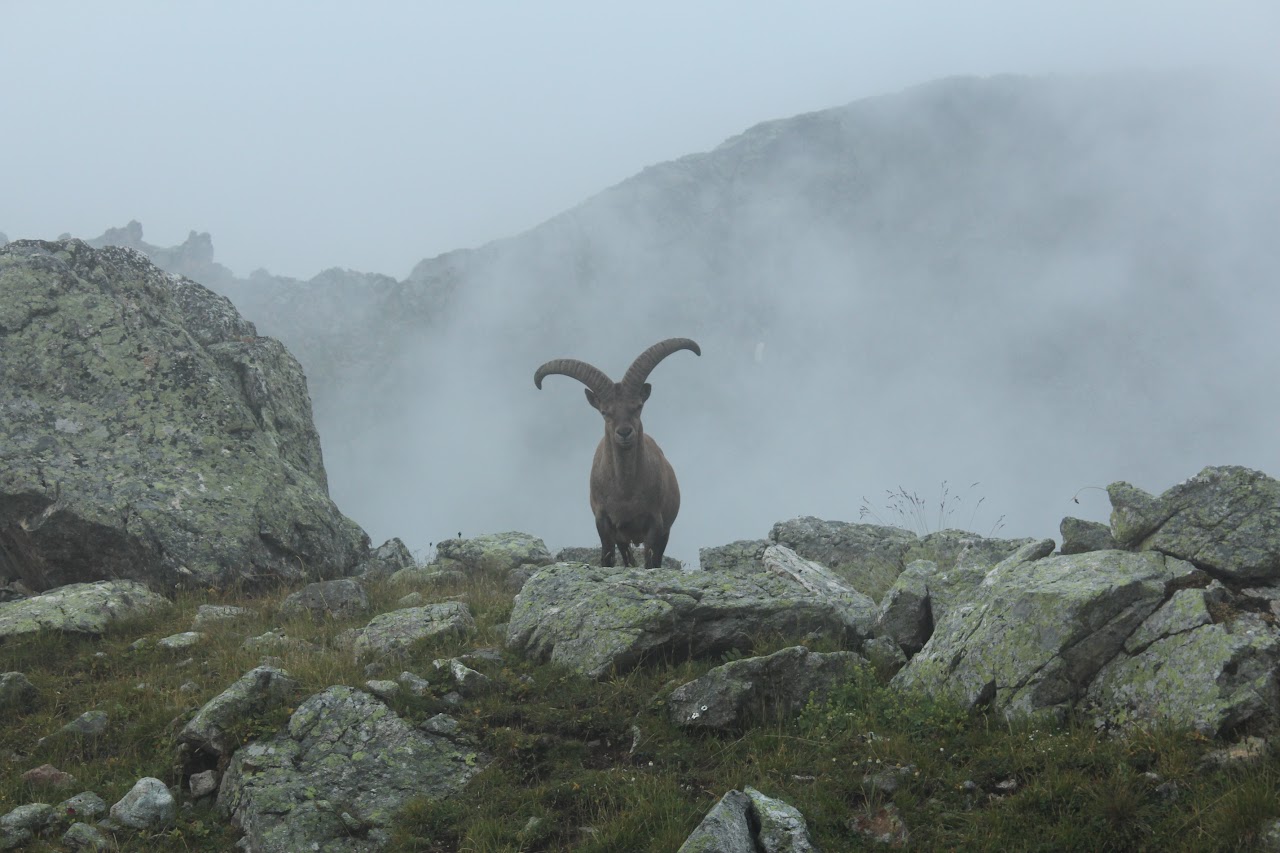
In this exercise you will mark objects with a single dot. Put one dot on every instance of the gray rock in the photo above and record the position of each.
(749, 822)
(209, 615)
(278, 642)
(1080, 536)
(391, 634)
(89, 725)
(591, 556)
(16, 692)
(860, 611)
(82, 836)
(774, 686)
(181, 442)
(82, 608)
(905, 612)
(203, 784)
(741, 557)
(387, 559)
(343, 751)
(1032, 637)
(180, 642)
(468, 682)
(884, 654)
(1183, 666)
(426, 575)
(415, 684)
(868, 556)
(24, 823)
(962, 549)
(497, 553)
(215, 727)
(597, 620)
(342, 598)
(83, 806)
(413, 599)
(1225, 520)
(382, 688)
(148, 805)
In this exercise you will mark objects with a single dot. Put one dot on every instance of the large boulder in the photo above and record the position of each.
(81, 608)
(337, 774)
(147, 432)
(869, 556)
(1225, 520)
(392, 634)
(597, 620)
(1035, 632)
(1198, 661)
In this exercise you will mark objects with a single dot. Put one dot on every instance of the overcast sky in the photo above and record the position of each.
(309, 135)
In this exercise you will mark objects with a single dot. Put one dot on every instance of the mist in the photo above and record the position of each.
(1024, 287)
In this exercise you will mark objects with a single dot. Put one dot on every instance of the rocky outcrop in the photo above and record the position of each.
(337, 774)
(216, 727)
(868, 556)
(1037, 630)
(759, 688)
(83, 608)
(598, 620)
(1225, 520)
(147, 432)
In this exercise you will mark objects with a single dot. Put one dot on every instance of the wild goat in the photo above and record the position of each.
(634, 494)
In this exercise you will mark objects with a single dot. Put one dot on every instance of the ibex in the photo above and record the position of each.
(634, 495)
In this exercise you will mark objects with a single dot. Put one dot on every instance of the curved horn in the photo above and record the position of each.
(589, 375)
(639, 370)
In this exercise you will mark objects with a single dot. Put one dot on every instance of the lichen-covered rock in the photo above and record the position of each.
(1080, 536)
(1225, 520)
(773, 686)
(597, 620)
(24, 823)
(203, 784)
(278, 642)
(392, 633)
(87, 726)
(209, 615)
(342, 598)
(215, 726)
(743, 556)
(860, 611)
(83, 837)
(1038, 629)
(1184, 666)
(387, 559)
(148, 805)
(467, 681)
(83, 806)
(180, 642)
(147, 432)
(82, 608)
(17, 693)
(962, 549)
(749, 822)
(494, 552)
(335, 777)
(905, 613)
(868, 556)
(885, 655)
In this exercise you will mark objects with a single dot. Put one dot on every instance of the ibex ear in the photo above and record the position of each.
(645, 390)
(591, 398)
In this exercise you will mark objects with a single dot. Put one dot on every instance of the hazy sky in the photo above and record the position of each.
(310, 135)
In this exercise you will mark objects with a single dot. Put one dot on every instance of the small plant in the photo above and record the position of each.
(912, 512)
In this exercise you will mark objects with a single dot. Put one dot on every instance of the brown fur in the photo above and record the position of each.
(634, 494)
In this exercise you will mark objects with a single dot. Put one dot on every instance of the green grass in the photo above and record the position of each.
(596, 766)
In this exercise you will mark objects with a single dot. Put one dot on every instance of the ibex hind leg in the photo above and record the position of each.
(654, 548)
